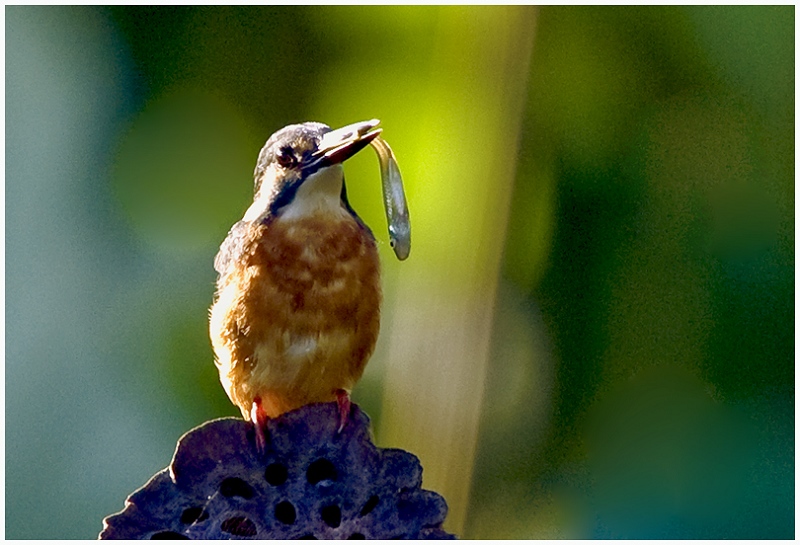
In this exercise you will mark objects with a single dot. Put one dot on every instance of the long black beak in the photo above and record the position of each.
(340, 145)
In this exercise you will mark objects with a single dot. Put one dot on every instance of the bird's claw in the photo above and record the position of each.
(259, 418)
(343, 401)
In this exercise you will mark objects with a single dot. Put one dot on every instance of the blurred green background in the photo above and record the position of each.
(640, 381)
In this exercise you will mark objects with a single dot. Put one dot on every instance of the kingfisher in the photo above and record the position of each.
(296, 312)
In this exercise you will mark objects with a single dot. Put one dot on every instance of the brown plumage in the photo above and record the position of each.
(297, 308)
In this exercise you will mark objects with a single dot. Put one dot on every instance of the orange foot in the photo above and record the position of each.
(259, 417)
(343, 400)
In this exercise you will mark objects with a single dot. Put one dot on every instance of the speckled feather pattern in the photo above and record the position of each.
(298, 316)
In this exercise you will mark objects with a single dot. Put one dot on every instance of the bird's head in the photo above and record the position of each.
(299, 169)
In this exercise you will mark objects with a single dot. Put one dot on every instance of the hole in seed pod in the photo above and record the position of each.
(357, 536)
(321, 470)
(371, 504)
(285, 512)
(276, 474)
(332, 515)
(234, 486)
(239, 526)
(193, 514)
(168, 535)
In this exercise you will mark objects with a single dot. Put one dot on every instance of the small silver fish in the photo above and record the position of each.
(394, 199)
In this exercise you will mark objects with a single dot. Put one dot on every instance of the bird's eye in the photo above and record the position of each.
(286, 158)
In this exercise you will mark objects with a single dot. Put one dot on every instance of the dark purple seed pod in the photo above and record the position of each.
(311, 482)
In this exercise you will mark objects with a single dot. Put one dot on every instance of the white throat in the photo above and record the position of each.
(320, 192)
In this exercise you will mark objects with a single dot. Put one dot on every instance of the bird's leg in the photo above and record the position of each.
(259, 418)
(343, 401)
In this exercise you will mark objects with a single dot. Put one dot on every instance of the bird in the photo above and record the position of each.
(296, 312)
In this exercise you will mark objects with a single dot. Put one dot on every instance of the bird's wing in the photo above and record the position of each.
(231, 248)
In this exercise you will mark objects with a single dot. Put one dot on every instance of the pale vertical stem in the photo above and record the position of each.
(441, 326)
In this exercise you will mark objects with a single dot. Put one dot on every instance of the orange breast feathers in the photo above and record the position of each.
(297, 311)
